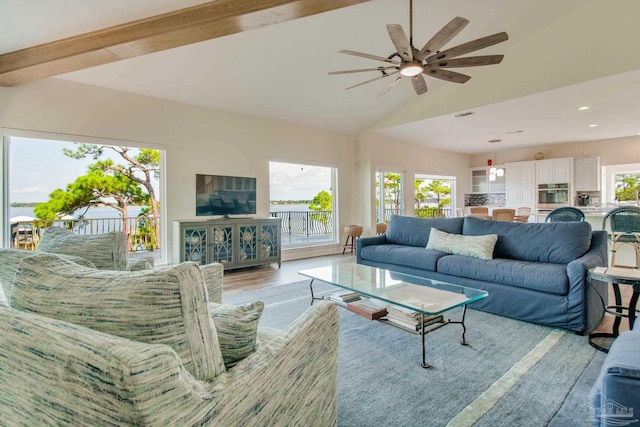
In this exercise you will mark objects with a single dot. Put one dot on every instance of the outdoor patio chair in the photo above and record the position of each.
(623, 228)
(565, 214)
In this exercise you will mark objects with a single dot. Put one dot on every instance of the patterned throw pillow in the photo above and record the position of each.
(106, 251)
(163, 306)
(237, 328)
(458, 244)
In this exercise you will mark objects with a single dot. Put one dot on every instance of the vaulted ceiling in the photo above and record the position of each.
(560, 55)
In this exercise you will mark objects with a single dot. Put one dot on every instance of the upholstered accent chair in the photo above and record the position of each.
(81, 346)
(107, 251)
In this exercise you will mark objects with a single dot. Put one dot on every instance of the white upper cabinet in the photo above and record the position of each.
(554, 171)
(521, 184)
(587, 171)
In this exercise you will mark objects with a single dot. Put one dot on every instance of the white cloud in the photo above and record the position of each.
(36, 189)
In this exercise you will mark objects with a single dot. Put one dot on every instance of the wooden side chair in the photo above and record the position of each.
(503, 215)
(522, 214)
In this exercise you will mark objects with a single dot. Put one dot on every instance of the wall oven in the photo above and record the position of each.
(552, 196)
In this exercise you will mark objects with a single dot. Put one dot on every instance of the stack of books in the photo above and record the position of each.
(344, 297)
(368, 308)
(409, 319)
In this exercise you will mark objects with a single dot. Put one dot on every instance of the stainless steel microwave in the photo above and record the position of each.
(552, 196)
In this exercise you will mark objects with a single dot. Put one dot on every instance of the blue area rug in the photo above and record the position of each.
(512, 373)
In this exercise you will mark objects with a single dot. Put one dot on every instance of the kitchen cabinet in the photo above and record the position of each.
(480, 182)
(235, 243)
(554, 171)
(521, 184)
(587, 174)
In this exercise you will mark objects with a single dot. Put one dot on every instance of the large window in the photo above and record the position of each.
(85, 187)
(434, 196)
(304, 196)
(388, 195)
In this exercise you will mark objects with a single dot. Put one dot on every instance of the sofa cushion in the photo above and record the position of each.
(543, 277)
(106, 251)
(237, 329)
(473, 246)
(554, 242)
(407, 256)
(163, 306)
(410, 231)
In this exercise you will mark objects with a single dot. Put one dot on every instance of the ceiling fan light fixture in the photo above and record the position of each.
(410, 69)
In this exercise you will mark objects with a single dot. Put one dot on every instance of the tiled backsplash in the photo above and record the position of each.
(485, 199)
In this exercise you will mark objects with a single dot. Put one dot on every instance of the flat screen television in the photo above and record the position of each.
(225, 195)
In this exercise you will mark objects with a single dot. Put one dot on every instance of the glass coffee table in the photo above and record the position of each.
(428, 299)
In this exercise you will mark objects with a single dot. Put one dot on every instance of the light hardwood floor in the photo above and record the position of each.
(247, 279)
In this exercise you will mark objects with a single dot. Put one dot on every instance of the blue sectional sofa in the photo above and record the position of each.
(537, 272)
(615, 396)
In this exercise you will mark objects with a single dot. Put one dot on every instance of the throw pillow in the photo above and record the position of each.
(237, 329)
(163, 306)
(458, 244)
(106, 251)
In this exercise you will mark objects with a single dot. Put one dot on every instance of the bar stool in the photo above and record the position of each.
(352, 232)
(381, 228)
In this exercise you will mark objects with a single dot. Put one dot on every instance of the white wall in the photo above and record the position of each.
(197, 140)
(611, 152)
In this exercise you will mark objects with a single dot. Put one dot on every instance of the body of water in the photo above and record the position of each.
(98, 212)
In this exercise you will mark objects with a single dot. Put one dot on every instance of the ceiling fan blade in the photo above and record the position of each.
(419, 85)
(450, 76)
(400, 41)
(471, 46)
(368, 56)
(469, 61)
(442, 37)
(389, 86)
(372, 80)
(362, 70)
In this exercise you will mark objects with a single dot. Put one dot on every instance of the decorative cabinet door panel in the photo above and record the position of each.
(270, 241)
(195, 245)
(222, 245)
(248, 240)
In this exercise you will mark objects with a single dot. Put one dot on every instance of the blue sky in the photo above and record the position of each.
(37, 167)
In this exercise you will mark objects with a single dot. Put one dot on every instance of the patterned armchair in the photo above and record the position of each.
(80, 346)
(106, 251)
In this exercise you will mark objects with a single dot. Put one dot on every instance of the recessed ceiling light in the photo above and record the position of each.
(465, 114)
(593, 126)
(583, 108)
(492, 141)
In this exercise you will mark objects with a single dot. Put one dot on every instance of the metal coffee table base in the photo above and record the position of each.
(438, 321)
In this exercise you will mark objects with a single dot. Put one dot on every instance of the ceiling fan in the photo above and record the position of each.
(412, 63)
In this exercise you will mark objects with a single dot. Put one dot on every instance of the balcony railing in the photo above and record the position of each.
(140, 230)
(426, 212)
(305, 223)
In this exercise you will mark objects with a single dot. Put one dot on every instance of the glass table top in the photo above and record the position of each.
(411, 292)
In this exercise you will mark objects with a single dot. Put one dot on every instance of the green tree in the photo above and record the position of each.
(627, 187)
(440, 191)
(322, 202)
(96, 188)
(142, 169)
